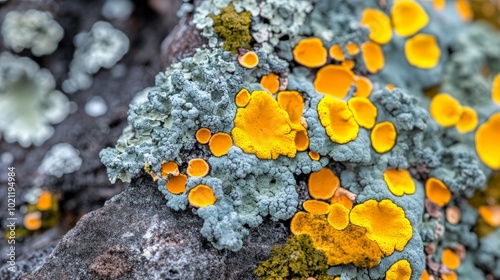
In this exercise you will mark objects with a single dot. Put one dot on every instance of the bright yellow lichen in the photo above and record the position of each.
(425, 275)
(201, 196)
(495, 90)
(336, 52)
(301, 140)
(363, 110)
(385, 223)
(177, 184)
(352, 48)
(364, 86)
(422, 51)
(378, 23)
(373, 56)
(203, 135)
(270, 82)
(197, 167)
(33, 220)
(490, 214)
(293, 103)
(450, 259)
(248, 60)
(390, 87)
(464, 10)
(316, 207)
(449, 276)
(400, 270)
(487, 139)
(314, 155)
(169, 168)
(44, 201)
(439, 4)
(399, 181)
(445, 109)
(310, 53)
(220, 144)
(322, 184)
(383, 137)
(263, 128)
(348, 64)
(338, 217)
(408, 17)
(437, 191)
(334, 80)
(242, 98)
(337, 119)
(468, 120)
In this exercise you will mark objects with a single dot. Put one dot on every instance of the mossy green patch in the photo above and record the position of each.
(233, 28)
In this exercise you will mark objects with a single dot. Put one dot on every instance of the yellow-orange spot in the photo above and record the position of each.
(292, 102)
(197, 167)
(364, 86)
(445, 109)
(310, 53)
(203, 135)
(201, 196)
(373, 56)
(422, 51)
(348, 64)
(242, 98)
(464, 10)
(334, 80)
(379, 24)
(338, 217)
(383, 137)
(314, 155)
(344, 197)
(336, 52)
(352, 48)
(248, 60)
(322, 184)
(449, 276)
(33, 220)
(337, 119)
(400, 270)
(363, 110)
(437, 191)
(301, 140)
(450, 259)
(44, 201)
(495, 90)
(490, 214)
(408, 17)
(453, 215)
(439, 4)
(169, 168)
(468, 120)
(270, 82)
(399, 181)
(390, 87)
(316, 207)
(177, 184)
(425, 275)
(220, 144)
(487, 139)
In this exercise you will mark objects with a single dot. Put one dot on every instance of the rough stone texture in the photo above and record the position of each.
(138, 235)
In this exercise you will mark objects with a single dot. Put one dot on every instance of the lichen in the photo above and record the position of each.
(233, 28)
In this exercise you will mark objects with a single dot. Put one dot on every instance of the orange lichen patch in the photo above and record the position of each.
(450, 259)
(464, 10)
(310, 53)
(373, 56)
(44, 201)
(445, 109)
(340, 246)
(487, 137)
(449, 276)
(379, 24)
(400, 270)
(270, 82)
(336, 52)
(364, 86)
(385, 223)
(468, 120)
(337, 119)
(293, 103)
(314, 155)
(383, 137)
(422, 51)
(399, 181)
(242, 98)
(201, 196)
(439, 4)
(169, 168)
(437, 191)
(33, 221)
(352, 48)
(344, 197)
(248, 60)
(220, 144)
(495, 89)
(334, 80)
(316, 207)
(177, 184)
(338, 217)
(301, 140)
(348, 64)
(197, 167)
(203, 135)
(453, 215)
(322, 184)
(363, 111)
(408, 17)
(263, 128)
(490, 214)
(390, 87)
